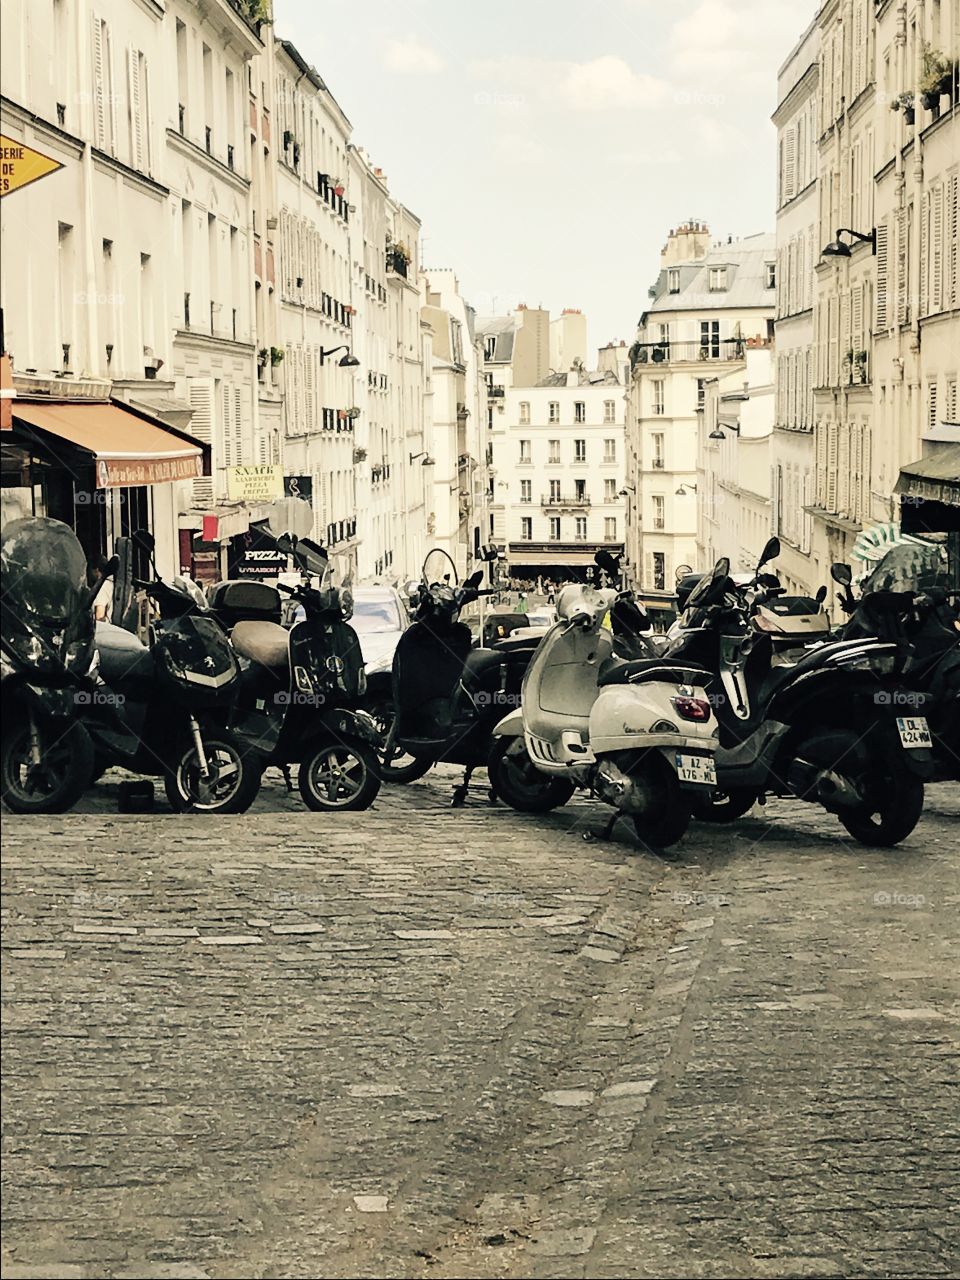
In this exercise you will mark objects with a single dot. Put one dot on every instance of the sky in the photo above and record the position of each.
(549, 146)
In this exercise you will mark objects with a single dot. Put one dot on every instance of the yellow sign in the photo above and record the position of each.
(20, 165)
(255, 484)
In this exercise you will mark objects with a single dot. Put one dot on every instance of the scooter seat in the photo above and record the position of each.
(617, 671)
(265, 642)
(121, 654)
(480, 660)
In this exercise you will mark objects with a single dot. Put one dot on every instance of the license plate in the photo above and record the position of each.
(697, 770)
(914, 731)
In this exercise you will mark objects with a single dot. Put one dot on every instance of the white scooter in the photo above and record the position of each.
(639, 733)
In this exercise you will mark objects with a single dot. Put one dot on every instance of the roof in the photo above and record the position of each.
(746, 262)
(504, 328)
(581, 378)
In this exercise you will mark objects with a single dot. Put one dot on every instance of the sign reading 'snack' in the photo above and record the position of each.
(262, 483)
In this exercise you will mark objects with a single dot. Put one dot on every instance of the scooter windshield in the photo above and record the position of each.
(43, 578)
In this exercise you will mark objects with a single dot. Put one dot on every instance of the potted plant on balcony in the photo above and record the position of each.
(904, 102)
(936, 77)
(276, 356)
(353, 413)
(263, 355)
(861, 359)
(359, 455)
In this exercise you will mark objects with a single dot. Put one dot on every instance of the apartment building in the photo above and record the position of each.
(708, 305)
(792, 478)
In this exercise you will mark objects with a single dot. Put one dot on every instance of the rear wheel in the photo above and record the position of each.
(230, 784)
(894, 802)
(56, 782)
(666, 811)
(342, 775)
(723, 806)
(515, 778)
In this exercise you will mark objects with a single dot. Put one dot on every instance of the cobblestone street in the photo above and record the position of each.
(419, 1041)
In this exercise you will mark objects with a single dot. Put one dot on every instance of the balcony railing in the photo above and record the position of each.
(496, 392)
(687, 352)
(577, 501)
(397, 262)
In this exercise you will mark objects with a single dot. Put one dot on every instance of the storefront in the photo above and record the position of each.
(929, 492)
(104, 469)
(554, 562)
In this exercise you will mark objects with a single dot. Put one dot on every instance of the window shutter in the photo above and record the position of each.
(238, 425)
(99, 85)
(832, 461)
(843, 469)
(226, 434)
(790, 164)
(882, 319)
(856, 320)
(856, 433)
(806, 520)
(924, 253)
(953, 239)
(845, 342)
(865, 463)
(932, 405)
(136, 127)
(200, 395)
(936, 251)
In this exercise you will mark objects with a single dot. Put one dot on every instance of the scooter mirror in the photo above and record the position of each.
(606, 561)
(145, 540)
(841, 573)
(412, 587)
(475, 579)
(821, 595)
(770, 552)
(767, 580)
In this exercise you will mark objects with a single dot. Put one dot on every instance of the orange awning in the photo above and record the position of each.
(7, 394)
(129, 449)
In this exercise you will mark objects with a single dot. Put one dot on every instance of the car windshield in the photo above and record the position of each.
(43, 572)
(372, 616)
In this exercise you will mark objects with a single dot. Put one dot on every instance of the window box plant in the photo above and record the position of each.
(276, 356)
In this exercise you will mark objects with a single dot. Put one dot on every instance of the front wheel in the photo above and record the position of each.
(342, 775)
(54, 782)
(515, 778)
(230, 784)
(894, 802)
(398, 766)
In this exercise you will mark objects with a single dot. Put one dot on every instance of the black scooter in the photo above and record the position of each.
(47, 660)
(163, 709)
(447, 695)
(823, 728)
(300, 690)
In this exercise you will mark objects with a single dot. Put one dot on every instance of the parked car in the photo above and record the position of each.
(379, 619)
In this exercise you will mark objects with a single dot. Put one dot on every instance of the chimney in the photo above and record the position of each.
(686, 243)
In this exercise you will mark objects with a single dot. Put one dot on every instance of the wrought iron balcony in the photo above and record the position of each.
(667, 352)
(576, 502)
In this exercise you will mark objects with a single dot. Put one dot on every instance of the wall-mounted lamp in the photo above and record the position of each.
(427, 460)
(837, 249)
(627, 488)
(718, 430)
(349, 361)
(684, 489)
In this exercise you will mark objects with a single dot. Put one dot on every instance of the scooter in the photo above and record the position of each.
(301, 687)
(926, 628)
(448, 695)
(821, 728)
(47, 666)
(637, 732)
(163, 708)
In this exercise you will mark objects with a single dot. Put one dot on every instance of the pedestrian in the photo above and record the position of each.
(103, 605)
(522, 602)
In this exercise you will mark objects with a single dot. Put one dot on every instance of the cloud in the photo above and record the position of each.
(411, 58)
(741, 42)
(606, 83)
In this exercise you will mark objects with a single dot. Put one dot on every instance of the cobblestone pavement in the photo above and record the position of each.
(420, 1042)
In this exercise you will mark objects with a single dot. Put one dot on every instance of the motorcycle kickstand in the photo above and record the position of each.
(460, 792)
(607, 832)
(285, 770)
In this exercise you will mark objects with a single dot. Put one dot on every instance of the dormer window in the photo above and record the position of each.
(489, 346)
(718, 279)
(673, 280)
(770, 270)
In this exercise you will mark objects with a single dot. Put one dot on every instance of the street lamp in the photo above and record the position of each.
(837, 248)
(349, 361)
(718, 430)
(427, 460)
(684, 489)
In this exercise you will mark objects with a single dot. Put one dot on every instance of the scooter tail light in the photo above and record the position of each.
(692, 708)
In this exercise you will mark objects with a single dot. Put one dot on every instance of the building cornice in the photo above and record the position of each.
(41, 125)
(103, 160)
(226, 18)
(798, 92)
(214, 166)
(209, 341)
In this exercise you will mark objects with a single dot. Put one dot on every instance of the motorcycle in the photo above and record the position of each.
(301, 687)
(926, 628)
(447, 696)
(163, 708)
(47, 662)
(820, 728)
(634, 729)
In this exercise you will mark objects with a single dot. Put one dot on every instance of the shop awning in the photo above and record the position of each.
(933, 479)
(130, 448)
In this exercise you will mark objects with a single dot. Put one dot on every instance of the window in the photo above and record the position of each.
(579, 450)
(581, 529)
(718, 279)
(489, 417)
(609, 490)
(139, 112)
(659, 571)
(771, 275)
(525, 491)
(709, 339)
(673, 280)
(524, 411)
(553, 411)
(658, 513)
(526, 529)
(658, 451)
(555, 528)
(657, 385)
(104, 93)
(610, 529)
(554, 451)
(525, 451)
(701, 392)
(580, 490)
(609, 450)
(579, 411)
(554, 490)
(609, 410)
(489, 346)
